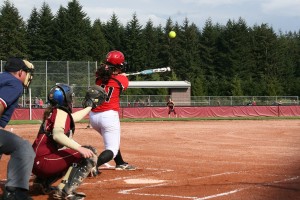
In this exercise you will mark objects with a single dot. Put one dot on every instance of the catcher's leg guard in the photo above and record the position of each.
(75, 175)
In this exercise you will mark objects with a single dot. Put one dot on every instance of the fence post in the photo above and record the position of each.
(46, 79)
(30, 107)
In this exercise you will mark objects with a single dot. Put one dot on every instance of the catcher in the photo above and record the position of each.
(74, 162)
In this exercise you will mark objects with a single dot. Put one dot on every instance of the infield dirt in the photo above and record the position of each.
(217, 159)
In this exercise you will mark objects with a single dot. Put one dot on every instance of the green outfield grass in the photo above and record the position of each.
(16, 122)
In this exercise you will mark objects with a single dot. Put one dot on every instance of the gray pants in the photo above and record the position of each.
(21, 159)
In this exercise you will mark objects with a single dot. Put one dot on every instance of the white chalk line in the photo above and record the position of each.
(154, 171)
(180, 197)
(280, 181)
(130, 191)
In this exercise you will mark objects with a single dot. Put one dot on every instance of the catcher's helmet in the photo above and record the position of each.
(115, 58)
(61, 95)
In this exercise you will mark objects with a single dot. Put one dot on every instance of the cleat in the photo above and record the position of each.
(125, 166)
(44, 185)
(15, 195)
(59, 194)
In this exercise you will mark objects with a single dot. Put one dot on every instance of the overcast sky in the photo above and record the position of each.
(282, 15)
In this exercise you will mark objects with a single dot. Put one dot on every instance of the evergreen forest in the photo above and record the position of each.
(219, 60)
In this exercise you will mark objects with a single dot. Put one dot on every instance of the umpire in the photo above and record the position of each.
(17, 75)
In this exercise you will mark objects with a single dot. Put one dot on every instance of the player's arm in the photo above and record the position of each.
(79, 115)
(61, 138)
(58, 131)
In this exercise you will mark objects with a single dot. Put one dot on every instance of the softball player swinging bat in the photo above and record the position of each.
(105, 117)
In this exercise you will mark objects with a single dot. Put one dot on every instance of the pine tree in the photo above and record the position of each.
(113, 33)
(135, 54)
(188, 61)
(59, 36)
(12, 32)
(150, 45)
(41, 25)
(32, 33)
(98, 47)
(76, 34)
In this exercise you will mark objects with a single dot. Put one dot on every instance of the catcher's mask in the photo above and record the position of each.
(29, 70)
(15, 64)
(61, 95)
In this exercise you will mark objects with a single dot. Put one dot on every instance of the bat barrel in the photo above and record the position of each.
(150, 71)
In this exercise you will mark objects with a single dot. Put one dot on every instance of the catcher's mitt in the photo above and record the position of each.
(94, 97)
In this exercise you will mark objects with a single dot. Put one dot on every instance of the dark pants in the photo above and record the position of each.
(21, 159)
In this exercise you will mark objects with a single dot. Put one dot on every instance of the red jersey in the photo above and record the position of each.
(115, 86)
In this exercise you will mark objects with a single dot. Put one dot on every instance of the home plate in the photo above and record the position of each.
(143, 181)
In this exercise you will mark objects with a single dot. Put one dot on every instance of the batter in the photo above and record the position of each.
(105, 117)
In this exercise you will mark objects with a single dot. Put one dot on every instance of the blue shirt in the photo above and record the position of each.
(11, 89)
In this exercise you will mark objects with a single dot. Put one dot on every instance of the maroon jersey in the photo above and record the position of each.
(114, 87)
(50, 160)
(170, 104)
(46, 145)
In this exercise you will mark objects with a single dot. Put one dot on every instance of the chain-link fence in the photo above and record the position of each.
(161, 100)
(243, 100)
(81, 75)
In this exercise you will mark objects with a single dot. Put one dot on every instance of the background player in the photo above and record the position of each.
(171, 107)
(52, 162)
(105, 118)
(17, 75)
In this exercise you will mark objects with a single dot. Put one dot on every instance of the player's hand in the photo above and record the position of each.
(85, 152)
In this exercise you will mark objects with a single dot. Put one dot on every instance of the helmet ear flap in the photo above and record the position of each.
(61, 95)
(56, 96)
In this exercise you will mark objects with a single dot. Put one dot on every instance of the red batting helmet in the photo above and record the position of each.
(115, 58)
